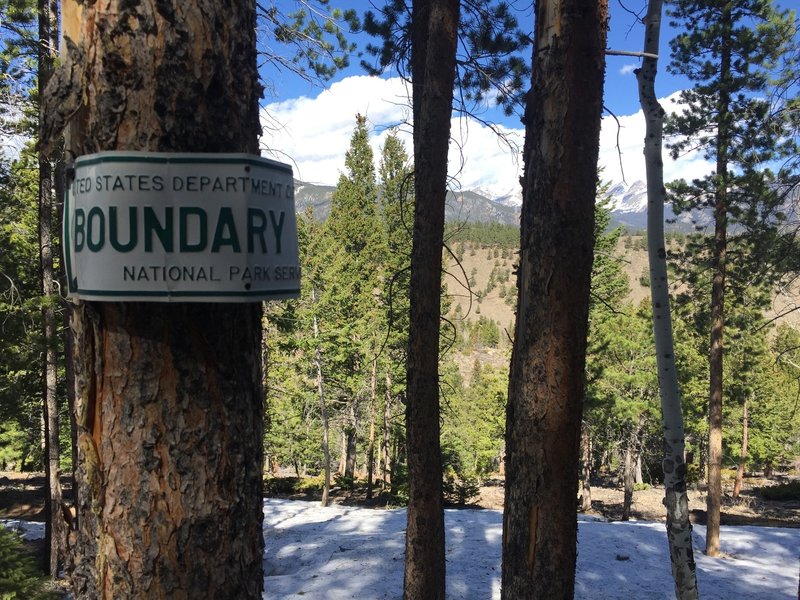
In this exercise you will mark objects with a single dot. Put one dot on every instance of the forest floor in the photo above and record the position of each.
(22, 497)
(748, 509)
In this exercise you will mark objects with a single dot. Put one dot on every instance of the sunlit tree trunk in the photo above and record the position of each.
(434, 32)
(586, 469)
(737, 487)
(627, 481)
(55, 526)
(387, 424)
(373, 388)
(168, 397)
(679, 529)
(546, 383)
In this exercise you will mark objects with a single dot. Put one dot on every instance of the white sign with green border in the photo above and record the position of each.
(165, 227)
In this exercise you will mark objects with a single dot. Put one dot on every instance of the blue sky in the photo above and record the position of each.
(310, 127)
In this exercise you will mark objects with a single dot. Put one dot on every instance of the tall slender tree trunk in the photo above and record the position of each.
(737, 487)
(434, 25)
(719, 272)
(323, 410)
(351, 439)
(679, 528)
(373, 389)
(168, 396)
(546, 383)
(55, 526)
(627, 481)
(387, 424)
(586, 469)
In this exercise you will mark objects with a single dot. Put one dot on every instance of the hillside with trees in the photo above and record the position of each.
(423, 358)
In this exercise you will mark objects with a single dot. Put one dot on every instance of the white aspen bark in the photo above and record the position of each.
(679, 528)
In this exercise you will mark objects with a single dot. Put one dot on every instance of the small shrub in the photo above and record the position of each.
(781, 492)
(280, 485)
(638, 487)
(460, 491)
(311, 485)
(348, 483)
(19, 577)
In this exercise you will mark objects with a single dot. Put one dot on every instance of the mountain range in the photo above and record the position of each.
(628, 202)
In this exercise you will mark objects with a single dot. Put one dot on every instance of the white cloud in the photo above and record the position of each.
(628, 69)
(314, 133)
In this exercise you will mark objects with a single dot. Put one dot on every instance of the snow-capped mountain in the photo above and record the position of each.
(629, 198)
(492, 204)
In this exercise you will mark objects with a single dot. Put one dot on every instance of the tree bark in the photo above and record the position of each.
(719, 273)
(586, 469)
(627, 482)
(737, 487)
(168, 396)
(373, 386)
(546, 385)
(434, 31)
(679, 528)
(55, 525)
(386, 446)
(323, 410)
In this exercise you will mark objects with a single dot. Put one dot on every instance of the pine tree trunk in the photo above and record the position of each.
(350, 441)
(55, 526)
(679, 528)
(434, 25)
(719, 272)
(326, 452)
(387, 420)
(586, 469)
(546, 384)
(373, 385)
(168, 396)
(627, 482)
(737, 487)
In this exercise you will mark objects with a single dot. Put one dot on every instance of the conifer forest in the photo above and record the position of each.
(427, 357)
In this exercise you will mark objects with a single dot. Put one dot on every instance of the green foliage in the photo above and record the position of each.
(492, 58)
(499, 235)
(311, 41)
(459, 491)
(20, 579)
(355, 288)
(473, 421)
(287, 486)
(20, 313)
(735, 53)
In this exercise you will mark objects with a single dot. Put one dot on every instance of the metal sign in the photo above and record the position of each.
(142, 226)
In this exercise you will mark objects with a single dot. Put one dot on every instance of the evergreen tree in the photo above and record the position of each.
(397, 216)
(732, 52)
(350, 316)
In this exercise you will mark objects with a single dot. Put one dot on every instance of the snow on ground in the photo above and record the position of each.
(342, 552)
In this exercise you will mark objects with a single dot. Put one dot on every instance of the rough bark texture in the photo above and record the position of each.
(586, 469)
(627, 479)
(434, 32)
(719, 272)
(55, 526)
(679, 528)
(737, 486)
(562, 125)
(168, 396)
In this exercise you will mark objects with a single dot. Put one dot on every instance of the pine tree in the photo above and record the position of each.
(545, 398)
(732, 52)
(168, 396)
